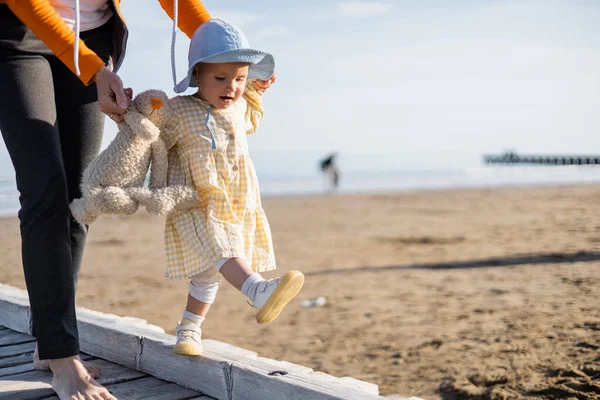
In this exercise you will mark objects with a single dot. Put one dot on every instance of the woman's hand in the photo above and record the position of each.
(112, 98)
(261, 85)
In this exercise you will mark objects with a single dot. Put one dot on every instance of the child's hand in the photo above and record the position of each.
(261, 85)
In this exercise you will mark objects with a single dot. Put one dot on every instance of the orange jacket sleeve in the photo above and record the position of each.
(192, 14)
(45, 22)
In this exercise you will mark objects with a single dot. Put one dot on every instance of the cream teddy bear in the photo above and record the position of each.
(113, 183)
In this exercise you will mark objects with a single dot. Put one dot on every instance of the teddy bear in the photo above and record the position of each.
(113, 183)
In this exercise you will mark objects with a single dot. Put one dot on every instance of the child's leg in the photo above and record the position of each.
(202, 292)
(235, 271)
(270, 296)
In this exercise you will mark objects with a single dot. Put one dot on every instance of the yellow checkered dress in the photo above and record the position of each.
(229, 220)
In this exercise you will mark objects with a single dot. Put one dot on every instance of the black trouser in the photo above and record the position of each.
(52, 129)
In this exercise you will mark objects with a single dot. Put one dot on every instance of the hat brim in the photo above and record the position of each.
(262, 65)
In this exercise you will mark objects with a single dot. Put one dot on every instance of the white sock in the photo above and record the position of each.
(251, 285)
(190, 316)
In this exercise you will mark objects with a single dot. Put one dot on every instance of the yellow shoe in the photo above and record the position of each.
(273, 295)
(189, 339)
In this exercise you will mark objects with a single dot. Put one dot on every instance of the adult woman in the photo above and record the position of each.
(53, 90)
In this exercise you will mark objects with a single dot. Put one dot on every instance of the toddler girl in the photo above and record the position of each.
(227, 234)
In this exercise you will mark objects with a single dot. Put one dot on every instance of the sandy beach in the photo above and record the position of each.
(482, 293)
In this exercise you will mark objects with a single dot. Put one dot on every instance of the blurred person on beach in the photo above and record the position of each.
(55, 85)
(331, 172)
(227, 234)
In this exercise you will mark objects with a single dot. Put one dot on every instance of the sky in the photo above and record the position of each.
(401, 84)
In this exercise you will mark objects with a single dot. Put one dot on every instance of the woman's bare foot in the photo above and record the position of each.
(72, 381)
(44, 365)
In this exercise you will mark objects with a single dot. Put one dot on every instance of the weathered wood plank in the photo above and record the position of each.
(121, 336)
(14, 309)
(208, 375)
(112, 318)
(16, 360)
(122, 344)
(260, 371)
(27, 365)
(16, 369)
(27, 386)
(118, 344)
(9, 351)
(252, 383)
(216, 372)
(37, 384)
(151, 389)
(216, 347)
(346, 381)
(12, 337)
(150, 351)
(360, 385)
(238, 354)
(148, 389)
(202, 398)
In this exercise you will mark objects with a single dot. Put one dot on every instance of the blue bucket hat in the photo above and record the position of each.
(216, 42)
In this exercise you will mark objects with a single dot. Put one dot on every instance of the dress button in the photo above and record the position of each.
(236, 201)
(235, 168)
(231, 137)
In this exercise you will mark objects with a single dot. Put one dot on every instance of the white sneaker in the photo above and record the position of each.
(189, 339)
(273, 295)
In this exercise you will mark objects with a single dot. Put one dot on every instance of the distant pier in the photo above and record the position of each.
(514, 158)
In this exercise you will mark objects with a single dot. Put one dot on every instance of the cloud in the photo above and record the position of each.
(363, 8)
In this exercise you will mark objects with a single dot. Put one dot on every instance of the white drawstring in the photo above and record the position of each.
(212, 136)
(173, 35)
(76, 47)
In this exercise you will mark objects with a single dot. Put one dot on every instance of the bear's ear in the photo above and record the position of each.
(156, 103)
(141, 126)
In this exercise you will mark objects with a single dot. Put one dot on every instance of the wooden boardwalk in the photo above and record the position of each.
(137, 363)
(19, 381)
(514, 158)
